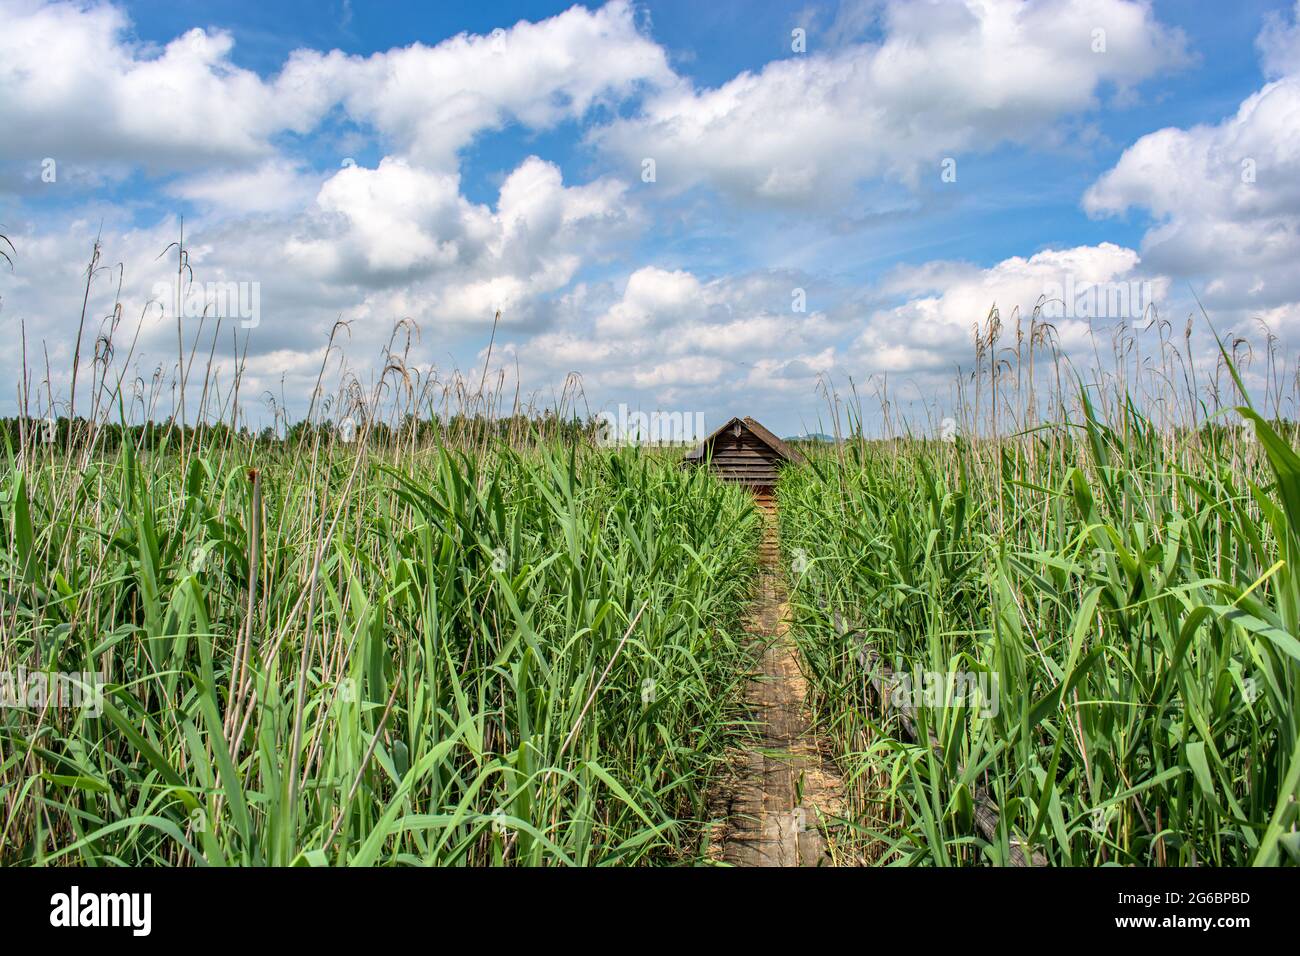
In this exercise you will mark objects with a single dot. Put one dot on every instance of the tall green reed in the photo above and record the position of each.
(317, 653)
(1133, 593)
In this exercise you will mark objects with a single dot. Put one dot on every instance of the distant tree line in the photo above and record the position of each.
(167, 434)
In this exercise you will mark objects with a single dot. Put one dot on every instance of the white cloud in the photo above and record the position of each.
(674, 340)
(687, 370)
(653, 297)
(410, 231)
(389, 222)
(372, 245)
(671, 339)
(1225, 197)
(430, 102)
(934, 332)
(378, 245)
(1279, 43)
(276, 185)
(947, 77)
(401, 239)
(76, 87)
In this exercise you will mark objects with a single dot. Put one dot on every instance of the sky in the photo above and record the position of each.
(712, 209)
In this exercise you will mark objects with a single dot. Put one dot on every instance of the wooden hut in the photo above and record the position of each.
(745, 452)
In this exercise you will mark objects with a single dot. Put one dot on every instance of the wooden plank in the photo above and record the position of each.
(783, 792)
(725, 453)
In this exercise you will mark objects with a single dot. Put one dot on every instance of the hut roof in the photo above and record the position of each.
(784, 451)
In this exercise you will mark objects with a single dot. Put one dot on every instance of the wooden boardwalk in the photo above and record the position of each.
(783, 789)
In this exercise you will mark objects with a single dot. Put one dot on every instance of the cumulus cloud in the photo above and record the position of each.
(429, 102)
(671, 336)
(276, 185)
(78, 88)
(653, 296)
(946, 77)
(940, 80)
(374, 247)
(407, 229)
(670, 339)
(1224, 197)
(1077, 291)
(400, 237)
(1279, 43)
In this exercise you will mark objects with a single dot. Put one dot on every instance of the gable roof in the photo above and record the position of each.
(784, 451)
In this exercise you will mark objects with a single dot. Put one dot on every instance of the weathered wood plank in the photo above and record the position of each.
(767, 824)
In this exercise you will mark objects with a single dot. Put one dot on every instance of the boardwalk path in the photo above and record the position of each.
(782, 789)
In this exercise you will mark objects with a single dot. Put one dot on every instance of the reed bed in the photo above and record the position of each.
(422, 621)
(317, 652)
(1125, 589)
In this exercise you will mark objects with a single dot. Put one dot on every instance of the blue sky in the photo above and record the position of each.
(373, 162)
